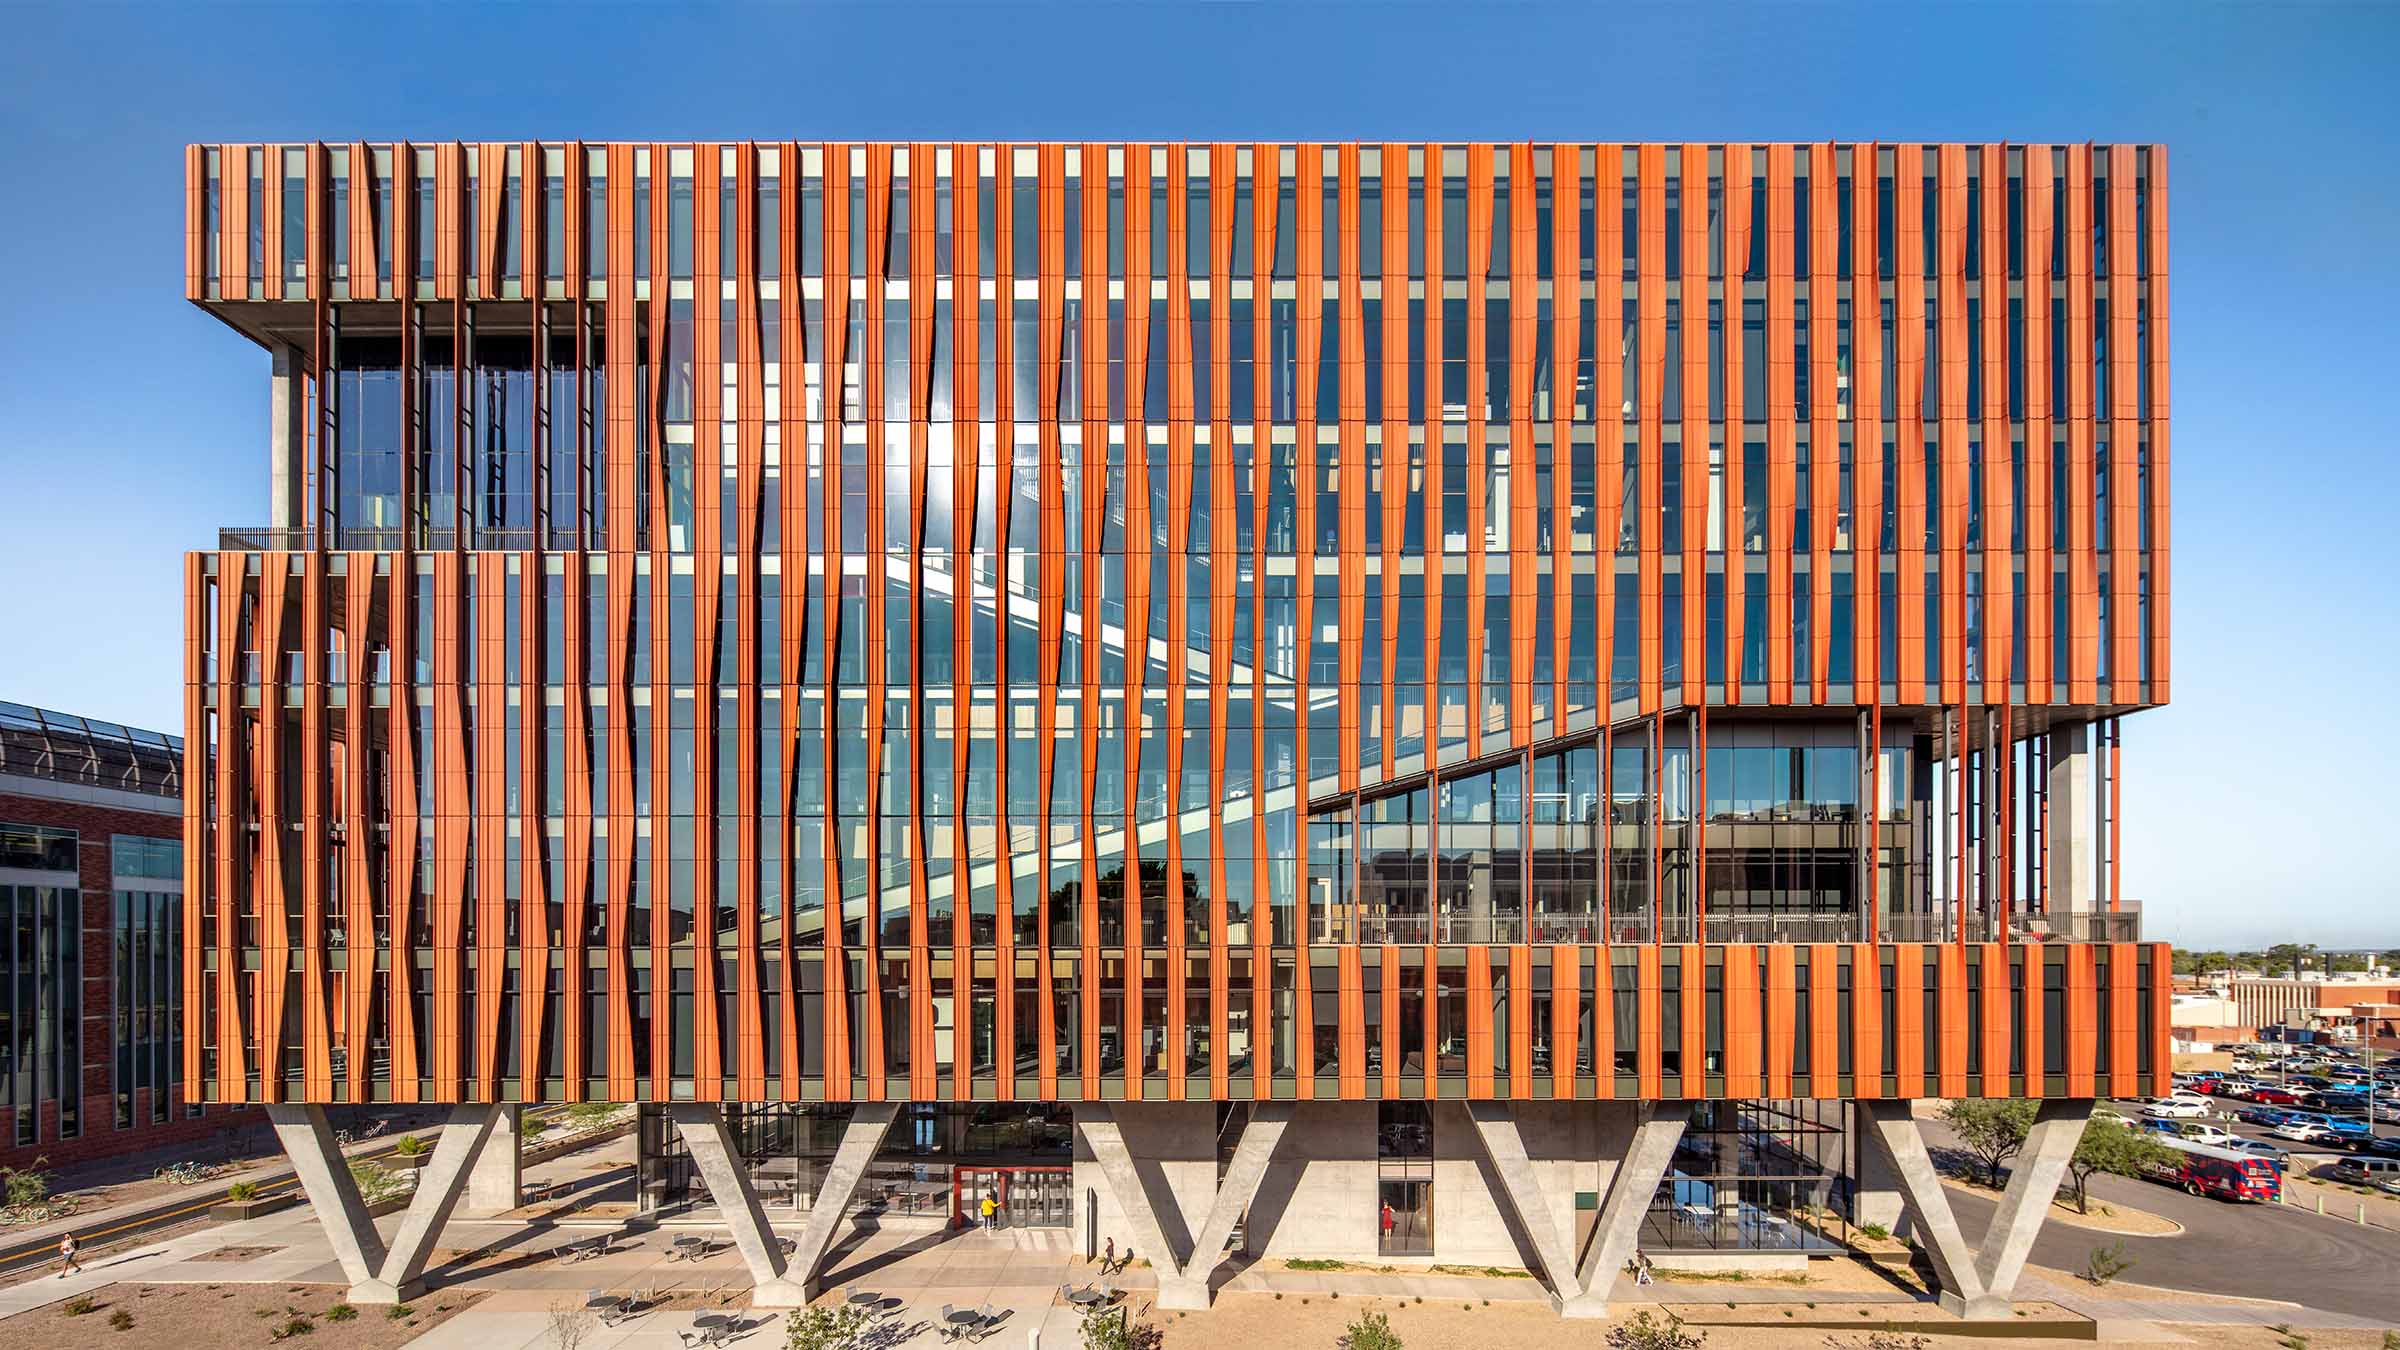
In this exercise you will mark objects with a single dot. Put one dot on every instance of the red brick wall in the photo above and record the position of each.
(100, 1138)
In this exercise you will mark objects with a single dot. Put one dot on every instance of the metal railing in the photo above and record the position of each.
(1638, 929)
(388, 539)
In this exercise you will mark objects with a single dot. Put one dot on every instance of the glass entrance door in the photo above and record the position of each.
(1029, 1197)
(1404, 1217)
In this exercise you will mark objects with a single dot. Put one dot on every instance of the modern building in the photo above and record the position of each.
(1345, 694)
(91, 942)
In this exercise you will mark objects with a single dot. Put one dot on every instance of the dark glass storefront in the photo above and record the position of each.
(1753, 1176)
(937, 1163)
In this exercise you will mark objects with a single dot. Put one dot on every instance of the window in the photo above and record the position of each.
(41, 1003)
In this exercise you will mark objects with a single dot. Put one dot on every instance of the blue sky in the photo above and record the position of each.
(131, 425)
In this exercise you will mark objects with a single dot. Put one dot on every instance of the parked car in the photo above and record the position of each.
(2366, 1171)
(2274, 1096)
(2178, 1108)
(2269, 1116)
(2261, 1148)
(2201, 1132)
(2388, 1146)
(2306, 1130)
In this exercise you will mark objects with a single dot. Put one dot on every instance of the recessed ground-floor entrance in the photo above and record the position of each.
(1028, 1197)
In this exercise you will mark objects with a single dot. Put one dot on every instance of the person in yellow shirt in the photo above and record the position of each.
(989, 1208)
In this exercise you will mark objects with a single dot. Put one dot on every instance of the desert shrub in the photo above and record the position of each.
(376, 1181)
(79, 1305)
(1116, 1330)
(1645, 1333)
(1370, 1331)
(26, 1185)
(242, 1190)
(827, 1326)
(2106, 1263)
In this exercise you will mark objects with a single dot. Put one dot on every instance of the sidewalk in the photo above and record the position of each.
(140, 1264)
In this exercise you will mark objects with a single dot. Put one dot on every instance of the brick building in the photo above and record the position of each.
(91, 899)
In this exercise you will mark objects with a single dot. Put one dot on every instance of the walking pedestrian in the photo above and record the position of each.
(67, 1264)
(988, 1208)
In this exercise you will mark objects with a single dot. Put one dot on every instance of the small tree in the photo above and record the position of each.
(570, 1326)
(2115, 1148)
(1370, 1331)
(828, 1326)
(1990, 1131)
(1644, 1334)
(1115, 1329)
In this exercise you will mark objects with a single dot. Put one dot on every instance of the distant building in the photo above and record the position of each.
(91, 920)
(2264, 1001)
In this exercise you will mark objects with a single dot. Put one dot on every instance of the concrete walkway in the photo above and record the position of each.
(141, 1265)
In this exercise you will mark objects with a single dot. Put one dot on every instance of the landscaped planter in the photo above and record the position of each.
(228, 1210)
(546, 1149)
(390, 1204)
(406, 1162)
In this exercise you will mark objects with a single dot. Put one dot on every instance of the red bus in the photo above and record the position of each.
(2219, 1173)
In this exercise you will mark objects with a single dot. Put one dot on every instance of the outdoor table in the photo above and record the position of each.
(691, 1248)
(610, 1307)
(864, 1299)
(964, 1317)
(1087, 1298)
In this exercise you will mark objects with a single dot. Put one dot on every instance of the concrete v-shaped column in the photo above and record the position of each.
(439, 1185)
(1649, 1149)
(325, 1179)
(1504, 1146)
(1183, 1276)
(1978, 1284)
(378, 1274)
(778, 1282)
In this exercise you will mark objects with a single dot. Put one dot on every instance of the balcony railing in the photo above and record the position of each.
(1636, 929)
(387, 539)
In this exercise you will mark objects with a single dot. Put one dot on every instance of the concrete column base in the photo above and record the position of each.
(383, 1293)
(1585, 1305)
(782, 1294)
(1182, 1295)
(1978, 1308)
